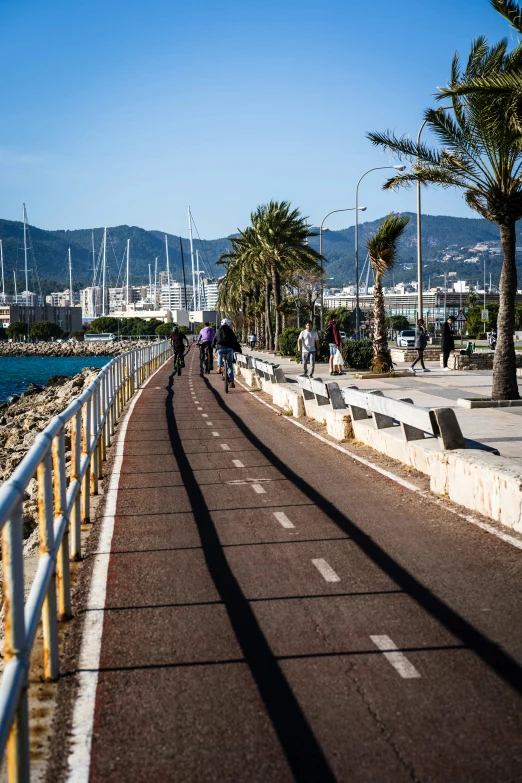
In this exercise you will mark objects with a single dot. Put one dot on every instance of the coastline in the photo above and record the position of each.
(68, 349)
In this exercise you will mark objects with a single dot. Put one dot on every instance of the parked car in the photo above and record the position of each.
(343, 335)
(406, 338)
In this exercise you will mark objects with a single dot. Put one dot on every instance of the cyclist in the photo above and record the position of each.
(177, 341)
(205, 338)
(226, 343)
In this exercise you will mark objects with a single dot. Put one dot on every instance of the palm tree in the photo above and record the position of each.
(482, 156)
(510, 11)
(282, 234)
(382, 250)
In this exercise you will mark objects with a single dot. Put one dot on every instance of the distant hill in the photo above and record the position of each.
(49, 248)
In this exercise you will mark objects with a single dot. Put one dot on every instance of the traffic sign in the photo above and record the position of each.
(461, 317)
(484, 315)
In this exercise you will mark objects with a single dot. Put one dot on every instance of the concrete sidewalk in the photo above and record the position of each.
(498, 428)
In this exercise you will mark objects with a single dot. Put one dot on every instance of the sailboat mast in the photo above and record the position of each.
(2, 262)
(191, 254)
(16, 292)
(70, 279)
(168, 268)
(25, 257)
(183, 273)
(128, 288)
(150, 285)
(156, 282)
(93, 274)
(104, 271)
(198, 282)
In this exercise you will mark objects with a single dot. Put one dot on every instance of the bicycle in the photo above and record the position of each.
(225, 372)
(179, 361)
(204, 359)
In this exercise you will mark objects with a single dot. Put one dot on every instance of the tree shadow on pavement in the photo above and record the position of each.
(302, 750)
(506, 667)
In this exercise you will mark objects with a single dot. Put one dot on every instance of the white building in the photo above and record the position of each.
(91, 301)
(174, 299)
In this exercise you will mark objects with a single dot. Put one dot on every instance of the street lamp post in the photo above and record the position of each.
(348, 209)
(377, 168)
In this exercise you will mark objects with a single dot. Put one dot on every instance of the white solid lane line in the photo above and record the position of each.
(326, 570)
(397, 659)
(283, 519)
(259, 489)
(215, 434)
(238, 463)
(225, 446)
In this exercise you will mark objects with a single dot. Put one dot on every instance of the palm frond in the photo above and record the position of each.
(382, 246)
(510, 11)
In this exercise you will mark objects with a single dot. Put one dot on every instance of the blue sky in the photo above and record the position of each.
(122, 112)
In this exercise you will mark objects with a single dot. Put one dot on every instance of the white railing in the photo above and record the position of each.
(63, 506)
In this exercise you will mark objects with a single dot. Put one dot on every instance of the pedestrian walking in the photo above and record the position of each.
(335, 343)
(252, 340)
(421, 341)
(308, 344)
(447, 341)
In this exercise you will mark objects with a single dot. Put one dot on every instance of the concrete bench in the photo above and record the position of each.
(415, 422)
(269, 371)
(242, 360)
(322, 393)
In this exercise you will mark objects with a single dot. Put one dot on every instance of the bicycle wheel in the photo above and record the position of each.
(207, 361)
(225, 373)
(178, 365)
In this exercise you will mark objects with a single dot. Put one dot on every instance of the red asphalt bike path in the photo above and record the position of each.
(277, 612)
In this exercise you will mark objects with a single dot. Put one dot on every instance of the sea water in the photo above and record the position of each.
(17, 372)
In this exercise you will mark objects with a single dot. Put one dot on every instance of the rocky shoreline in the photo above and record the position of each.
(20, 422)
(68, 349)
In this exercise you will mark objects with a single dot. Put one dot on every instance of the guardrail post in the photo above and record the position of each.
(46, 529)
(104, 418)
(86, 439)
(94, 441)
(63, 573)
(76, 456)
(112, 398)
(15, 642)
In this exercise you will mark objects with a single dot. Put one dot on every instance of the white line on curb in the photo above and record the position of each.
(238, 463)
(225, 446)
(397, 659)
(283, 519)
(398, 480)
(326, 570)
(83, 715)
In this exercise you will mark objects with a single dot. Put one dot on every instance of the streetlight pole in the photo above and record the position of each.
(420, 304)
(348, 209)
(377, 168)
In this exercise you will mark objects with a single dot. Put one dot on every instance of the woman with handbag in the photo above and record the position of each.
(421, 341)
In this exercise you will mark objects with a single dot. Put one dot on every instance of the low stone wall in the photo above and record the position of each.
(410, 354)
(68, 349)
(481, 360)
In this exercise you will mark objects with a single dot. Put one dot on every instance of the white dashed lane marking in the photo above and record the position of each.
(326, 570)
(225, 446)
(283, 519)
(397, 659)
(238, 463)
(205, 415)
(215, 434)
(259, 489)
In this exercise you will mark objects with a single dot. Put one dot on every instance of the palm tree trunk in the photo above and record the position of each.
(244, 324)
(269, 336)
(276, 291)
(381, 361)
(505, 386)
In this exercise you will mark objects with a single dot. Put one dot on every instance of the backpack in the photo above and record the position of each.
(329, 334)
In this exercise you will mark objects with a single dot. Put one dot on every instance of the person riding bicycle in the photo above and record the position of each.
(177, 341)
(205, 338)
(226, 342)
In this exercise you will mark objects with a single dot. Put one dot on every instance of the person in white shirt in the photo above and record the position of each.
(308, 344)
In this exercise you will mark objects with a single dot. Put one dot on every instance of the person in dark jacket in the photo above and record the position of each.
(448, 341)
(226, 342)
(178, 341)
(335, 343)
(421, 341)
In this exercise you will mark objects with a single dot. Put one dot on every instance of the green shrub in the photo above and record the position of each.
(78, 334)
(358, 354)
(288, 342)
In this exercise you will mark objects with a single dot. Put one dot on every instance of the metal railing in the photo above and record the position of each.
(63, 506)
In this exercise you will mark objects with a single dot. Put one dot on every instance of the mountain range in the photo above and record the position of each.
(48, 252)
